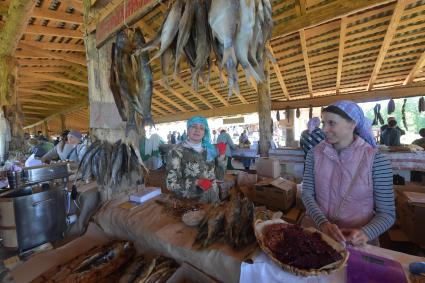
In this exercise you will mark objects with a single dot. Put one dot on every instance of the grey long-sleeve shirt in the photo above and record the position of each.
(383, 196)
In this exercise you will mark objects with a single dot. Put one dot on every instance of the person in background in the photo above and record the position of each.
(348, 183)
(173, 138)
(184, 136)
(225, 138)
(194, 165)
(70, 149)
(384, 127)
(243, 140)
(178, 138)
(421, 141)
(312, 136)
(38, 149)
(149, 151)
(169, 137)
(391, 135)
(214, 136)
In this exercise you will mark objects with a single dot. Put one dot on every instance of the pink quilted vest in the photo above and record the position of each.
(333, 175)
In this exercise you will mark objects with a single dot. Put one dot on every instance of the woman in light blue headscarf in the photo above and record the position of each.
(194, 165)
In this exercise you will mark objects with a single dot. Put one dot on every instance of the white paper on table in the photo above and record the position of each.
(265, 270)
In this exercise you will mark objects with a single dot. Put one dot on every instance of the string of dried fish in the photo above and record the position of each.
(110, 164)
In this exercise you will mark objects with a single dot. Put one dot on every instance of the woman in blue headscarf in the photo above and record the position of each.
(347, 184)
(194, 165)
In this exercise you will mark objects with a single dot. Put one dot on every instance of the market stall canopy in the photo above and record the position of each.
(324, 50)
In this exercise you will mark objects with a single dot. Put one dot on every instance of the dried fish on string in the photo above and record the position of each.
(109, 163)
(403, 114)
(238, 32)
(131, 78)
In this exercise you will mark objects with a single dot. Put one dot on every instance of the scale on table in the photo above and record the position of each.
(38, 196)
(368, 268)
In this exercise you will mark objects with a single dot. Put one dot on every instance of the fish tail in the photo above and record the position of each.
(270, 55)
(228, 53)
(256, 74)
(148, 46)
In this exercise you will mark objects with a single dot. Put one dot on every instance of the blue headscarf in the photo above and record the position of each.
(206, 140)
(363, 124)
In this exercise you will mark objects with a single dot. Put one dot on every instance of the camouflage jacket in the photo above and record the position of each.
(185, 166)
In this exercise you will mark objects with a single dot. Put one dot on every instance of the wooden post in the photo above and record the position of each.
(290, 137)
(63, 123)
(264, 111)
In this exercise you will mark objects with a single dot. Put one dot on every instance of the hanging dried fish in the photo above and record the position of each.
(421, 105)
(310, 112)
(378, 116)
(391, 106)
(298, 113)
(403, 114)
(277, 115)
(287, 113)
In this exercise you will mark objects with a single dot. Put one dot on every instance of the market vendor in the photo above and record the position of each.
(347, 185)
(70, 148)
(194, 165)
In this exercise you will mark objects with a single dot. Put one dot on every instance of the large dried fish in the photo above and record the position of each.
(244, 36)
(170, 27)
(115, 89)
(223, 19)
(145, 80)
(185, 26)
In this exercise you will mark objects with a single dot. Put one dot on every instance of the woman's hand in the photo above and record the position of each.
(333, 231)
(356, 237)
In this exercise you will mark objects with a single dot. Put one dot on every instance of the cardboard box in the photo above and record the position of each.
(277, 194)
(411, 214)
(188, 273)
(245, 179)
(268, 167)
(145, 194)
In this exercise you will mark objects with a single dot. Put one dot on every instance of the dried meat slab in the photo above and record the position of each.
(301, 251)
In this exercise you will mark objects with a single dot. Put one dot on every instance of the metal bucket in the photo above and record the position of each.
(15, 178)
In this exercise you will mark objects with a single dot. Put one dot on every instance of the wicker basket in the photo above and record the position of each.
(259, 228)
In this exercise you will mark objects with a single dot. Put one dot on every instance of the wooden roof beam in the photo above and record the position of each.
(179, 96)
(55, 79)
(279, 74)
(222, 111)
(63, 112)
(43, 69)
(163, 106)
(341, 52)
(327, 13)
(391, 31)
(46, 13)
(306, 61)
(44, 101)
(80, 60)
(48, 93)
(190, 89)
(51, 31)
(415, 89)
(54, 46)
(32, 107)
(416, 69)
(216, 94)
(165, 98)
(77, 5)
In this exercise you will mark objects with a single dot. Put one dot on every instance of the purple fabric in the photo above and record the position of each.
(363, 124)
(313, 123)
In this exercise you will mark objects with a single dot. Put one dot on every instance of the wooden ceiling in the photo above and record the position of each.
(322, 48)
